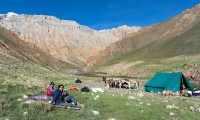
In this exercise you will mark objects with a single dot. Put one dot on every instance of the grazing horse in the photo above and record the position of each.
(128, 83)
(116, 82)
(123, 83)
(133, 82)
(108, 82)
(119, 82)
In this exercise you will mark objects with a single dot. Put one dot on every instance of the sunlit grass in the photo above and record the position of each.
(19, 78)
(110, 105)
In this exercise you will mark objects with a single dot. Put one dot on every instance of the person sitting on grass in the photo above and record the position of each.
(68, 98)
(60, 101)
(50, 89)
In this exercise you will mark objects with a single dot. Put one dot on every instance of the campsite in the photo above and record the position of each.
(111, 104)
(100, 60)
(168, 81)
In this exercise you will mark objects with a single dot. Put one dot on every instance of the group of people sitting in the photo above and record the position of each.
(61, 97)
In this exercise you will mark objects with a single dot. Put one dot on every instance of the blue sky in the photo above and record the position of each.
(102, 14)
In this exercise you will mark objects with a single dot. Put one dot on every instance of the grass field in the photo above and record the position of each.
(147, 68)
(21, 77)
(119, 105)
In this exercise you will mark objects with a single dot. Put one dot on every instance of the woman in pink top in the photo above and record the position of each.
(50, 89)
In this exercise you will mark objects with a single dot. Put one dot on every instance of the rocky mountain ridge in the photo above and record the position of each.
(65, 40)
(12, 46)
(173, 37)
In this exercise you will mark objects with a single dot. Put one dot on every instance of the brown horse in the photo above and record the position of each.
(111, 82)
(119, 82)
(108, 82)
(133, 82)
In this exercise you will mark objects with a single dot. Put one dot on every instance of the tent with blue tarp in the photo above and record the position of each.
(168, 81)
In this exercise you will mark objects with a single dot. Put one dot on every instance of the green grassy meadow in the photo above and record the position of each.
(110, 105)
(21, 77)
(145, 68)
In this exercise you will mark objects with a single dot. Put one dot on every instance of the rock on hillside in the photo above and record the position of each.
(65, 40)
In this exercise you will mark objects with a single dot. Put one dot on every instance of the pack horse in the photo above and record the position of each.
(120, 83)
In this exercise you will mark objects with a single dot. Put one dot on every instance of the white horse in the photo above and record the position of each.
(129, 83)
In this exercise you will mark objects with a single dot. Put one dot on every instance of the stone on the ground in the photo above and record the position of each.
(140, 94)
(25, 113)
(127, 104)
(172, 107)
(25, 96)
(141, 103)
(112, 119)
(197, 110)
(96, 97)
(131, 97)
(95, 112)
(165, 101)
(192, 108)
(148, 104)
(171, 114)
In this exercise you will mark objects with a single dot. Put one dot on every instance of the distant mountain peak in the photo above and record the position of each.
(123, 27)
(8, 15)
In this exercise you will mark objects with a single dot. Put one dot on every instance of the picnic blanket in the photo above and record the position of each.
(41, 97)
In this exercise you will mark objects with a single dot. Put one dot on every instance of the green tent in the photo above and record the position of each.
(167, 81)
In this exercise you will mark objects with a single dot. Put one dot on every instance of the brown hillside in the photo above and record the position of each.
(157, 36)
(65, 40)
(10, 44)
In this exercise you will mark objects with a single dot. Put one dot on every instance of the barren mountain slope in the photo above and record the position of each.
(11, 45)
(65, 40)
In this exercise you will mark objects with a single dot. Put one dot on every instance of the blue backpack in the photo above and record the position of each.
(85, 89)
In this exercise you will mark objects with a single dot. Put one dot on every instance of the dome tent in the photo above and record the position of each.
(167, 81)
